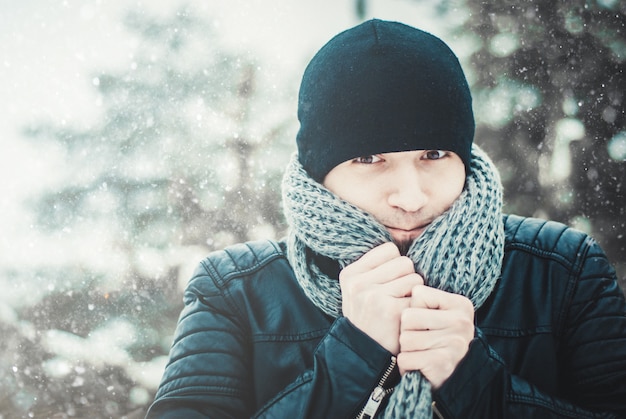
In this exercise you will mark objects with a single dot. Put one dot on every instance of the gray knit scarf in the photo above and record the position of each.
(461, 251)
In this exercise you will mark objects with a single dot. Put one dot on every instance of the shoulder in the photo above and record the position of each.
(254, 284)
(243, 258)
(548, 239)
(240, 261)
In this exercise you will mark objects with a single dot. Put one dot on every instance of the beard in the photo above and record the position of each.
(403, 246)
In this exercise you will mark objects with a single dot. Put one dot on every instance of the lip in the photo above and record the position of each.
(406, 234)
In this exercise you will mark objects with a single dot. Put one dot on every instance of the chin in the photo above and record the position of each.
(403, 245)
(405, 239)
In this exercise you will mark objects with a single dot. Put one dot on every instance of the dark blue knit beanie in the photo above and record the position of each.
(382, 87)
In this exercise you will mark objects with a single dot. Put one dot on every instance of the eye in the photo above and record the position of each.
(367, 159)
(434, 154)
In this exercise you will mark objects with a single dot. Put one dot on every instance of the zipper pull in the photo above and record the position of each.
(371, 407)
(436, 410)
(378, 394)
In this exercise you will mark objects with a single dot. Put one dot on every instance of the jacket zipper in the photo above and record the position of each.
(378, 394)
(436, 410)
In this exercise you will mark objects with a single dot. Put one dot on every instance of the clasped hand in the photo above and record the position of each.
(426, 328)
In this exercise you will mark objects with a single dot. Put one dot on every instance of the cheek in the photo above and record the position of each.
(366, 197)
(446, 186)
(358, 192)
(454, 187)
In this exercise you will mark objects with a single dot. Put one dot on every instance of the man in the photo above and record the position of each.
(401, 290)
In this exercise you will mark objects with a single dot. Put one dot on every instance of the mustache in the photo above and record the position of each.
(405, 221)
(407, 225)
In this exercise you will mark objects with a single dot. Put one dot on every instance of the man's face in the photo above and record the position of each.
(404, 191)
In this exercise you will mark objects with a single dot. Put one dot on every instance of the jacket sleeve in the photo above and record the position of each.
(210, 369)
(593, 354)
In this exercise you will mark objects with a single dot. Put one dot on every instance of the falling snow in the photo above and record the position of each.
(142, 137)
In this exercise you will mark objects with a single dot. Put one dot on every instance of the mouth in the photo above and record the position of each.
(403, 234)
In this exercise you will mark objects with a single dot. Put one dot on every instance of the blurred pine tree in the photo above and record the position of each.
(556, 73)
(186, 157)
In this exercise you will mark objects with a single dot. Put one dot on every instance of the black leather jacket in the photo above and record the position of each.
(550, 340)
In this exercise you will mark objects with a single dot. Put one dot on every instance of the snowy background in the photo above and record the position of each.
(137, 136)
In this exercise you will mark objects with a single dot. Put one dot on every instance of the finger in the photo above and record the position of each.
(414, 318)
(428, 319)
(386, 272)
(425, 297)
(451, 322)
(402, 287)
(432, 298)
(374, 258)
(393, 269)
(422, 340)
(436, 364)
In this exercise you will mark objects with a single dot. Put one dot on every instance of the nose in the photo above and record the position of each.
(407, 191)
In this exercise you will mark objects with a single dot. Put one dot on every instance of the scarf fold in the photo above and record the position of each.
(461, 251)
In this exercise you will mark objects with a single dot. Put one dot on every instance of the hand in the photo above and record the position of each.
(435, 333)
(375, 290)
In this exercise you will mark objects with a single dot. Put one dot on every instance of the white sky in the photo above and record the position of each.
(49, 48)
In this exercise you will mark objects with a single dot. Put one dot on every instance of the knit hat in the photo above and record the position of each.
(382, 87)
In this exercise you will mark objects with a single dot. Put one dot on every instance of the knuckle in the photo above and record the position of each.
(418, 279)
(411, 317)
(416, 290)
(457, 341)
(406, 264)
(403, 341)
(457, 349)
(346, 272)
(449, 365)
(463, 303)
(391, 248)
(469, 306)
(404, 317)
(345, 284)
(401, 358)
(464, 321)
(351, 284)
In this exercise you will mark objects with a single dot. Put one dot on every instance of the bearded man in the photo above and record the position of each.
(401, 291)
